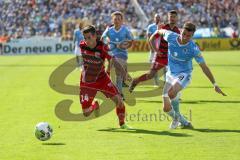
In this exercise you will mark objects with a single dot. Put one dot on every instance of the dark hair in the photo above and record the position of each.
(89, 29)
(189, 26)
(117, 13)
(173, 12)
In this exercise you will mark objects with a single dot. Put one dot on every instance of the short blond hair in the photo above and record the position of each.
(117, 13)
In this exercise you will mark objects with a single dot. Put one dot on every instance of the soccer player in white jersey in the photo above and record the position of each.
(181, 51)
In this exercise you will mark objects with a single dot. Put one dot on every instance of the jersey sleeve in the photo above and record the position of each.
(105, 34)
(169, 36)
(149, 32)
(198, 55)
(129, 34)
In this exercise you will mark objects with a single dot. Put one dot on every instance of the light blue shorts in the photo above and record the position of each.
(183, 79)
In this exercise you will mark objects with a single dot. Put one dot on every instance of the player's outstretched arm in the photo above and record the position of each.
(125, 44)
(210, 76)
(153, 38)
(148, 41)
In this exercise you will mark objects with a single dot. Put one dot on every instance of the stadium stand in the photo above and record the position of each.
(215, 14)
(26, 18)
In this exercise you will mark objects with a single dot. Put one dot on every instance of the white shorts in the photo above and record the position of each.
(183, 79)
(77, 51)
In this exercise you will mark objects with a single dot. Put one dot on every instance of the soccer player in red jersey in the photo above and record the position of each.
(94, 77)
(160, 59)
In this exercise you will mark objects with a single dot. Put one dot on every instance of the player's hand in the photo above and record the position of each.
(124, 45)
(218, 90)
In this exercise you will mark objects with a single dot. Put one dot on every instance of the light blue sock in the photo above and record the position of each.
(172, 114)
(175, 105)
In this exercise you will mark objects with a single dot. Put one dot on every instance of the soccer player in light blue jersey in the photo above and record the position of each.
(150, 30)
(116, 34)
(181, 51)
(77, 38)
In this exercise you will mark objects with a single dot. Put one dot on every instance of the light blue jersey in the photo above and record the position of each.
(180, 56)
(118, 36)
(151, 29)
(78, 36)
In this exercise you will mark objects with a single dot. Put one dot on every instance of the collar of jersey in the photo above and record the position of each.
(119, 29)
(182, 45)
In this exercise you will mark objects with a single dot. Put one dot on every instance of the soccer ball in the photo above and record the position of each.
(43, 131)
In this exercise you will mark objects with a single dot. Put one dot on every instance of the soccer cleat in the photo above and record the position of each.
(174, 124)
(187, 126)
(125, 126)
(96, 108)
(132, 86)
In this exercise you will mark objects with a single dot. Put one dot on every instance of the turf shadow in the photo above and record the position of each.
(144, 131)
(53, 144)
(191, 102)
(208, 130)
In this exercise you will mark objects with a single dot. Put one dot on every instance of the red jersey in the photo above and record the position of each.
(164, 44)
(93, 61)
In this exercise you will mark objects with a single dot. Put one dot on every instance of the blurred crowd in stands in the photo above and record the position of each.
(26, 18)
(215, 14)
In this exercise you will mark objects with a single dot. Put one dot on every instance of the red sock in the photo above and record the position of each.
(121, 114)
(143, 77)
(91, 108)
(95, 105)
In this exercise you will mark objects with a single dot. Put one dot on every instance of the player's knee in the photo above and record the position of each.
(171, 94)
(166, 108)
(152, 74)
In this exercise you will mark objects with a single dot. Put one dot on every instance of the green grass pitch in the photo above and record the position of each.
(26, 99)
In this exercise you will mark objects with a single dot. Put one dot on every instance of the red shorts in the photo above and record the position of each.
(89, 90)
(159, 61)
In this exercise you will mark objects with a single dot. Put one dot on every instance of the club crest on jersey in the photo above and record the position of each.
(175, 54)
(185, 50)
(97, 54)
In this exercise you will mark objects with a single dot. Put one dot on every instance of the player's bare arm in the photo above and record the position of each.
(152, 44)
(210, 76)
(148, 41)
(125, 45)
(152, 40)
